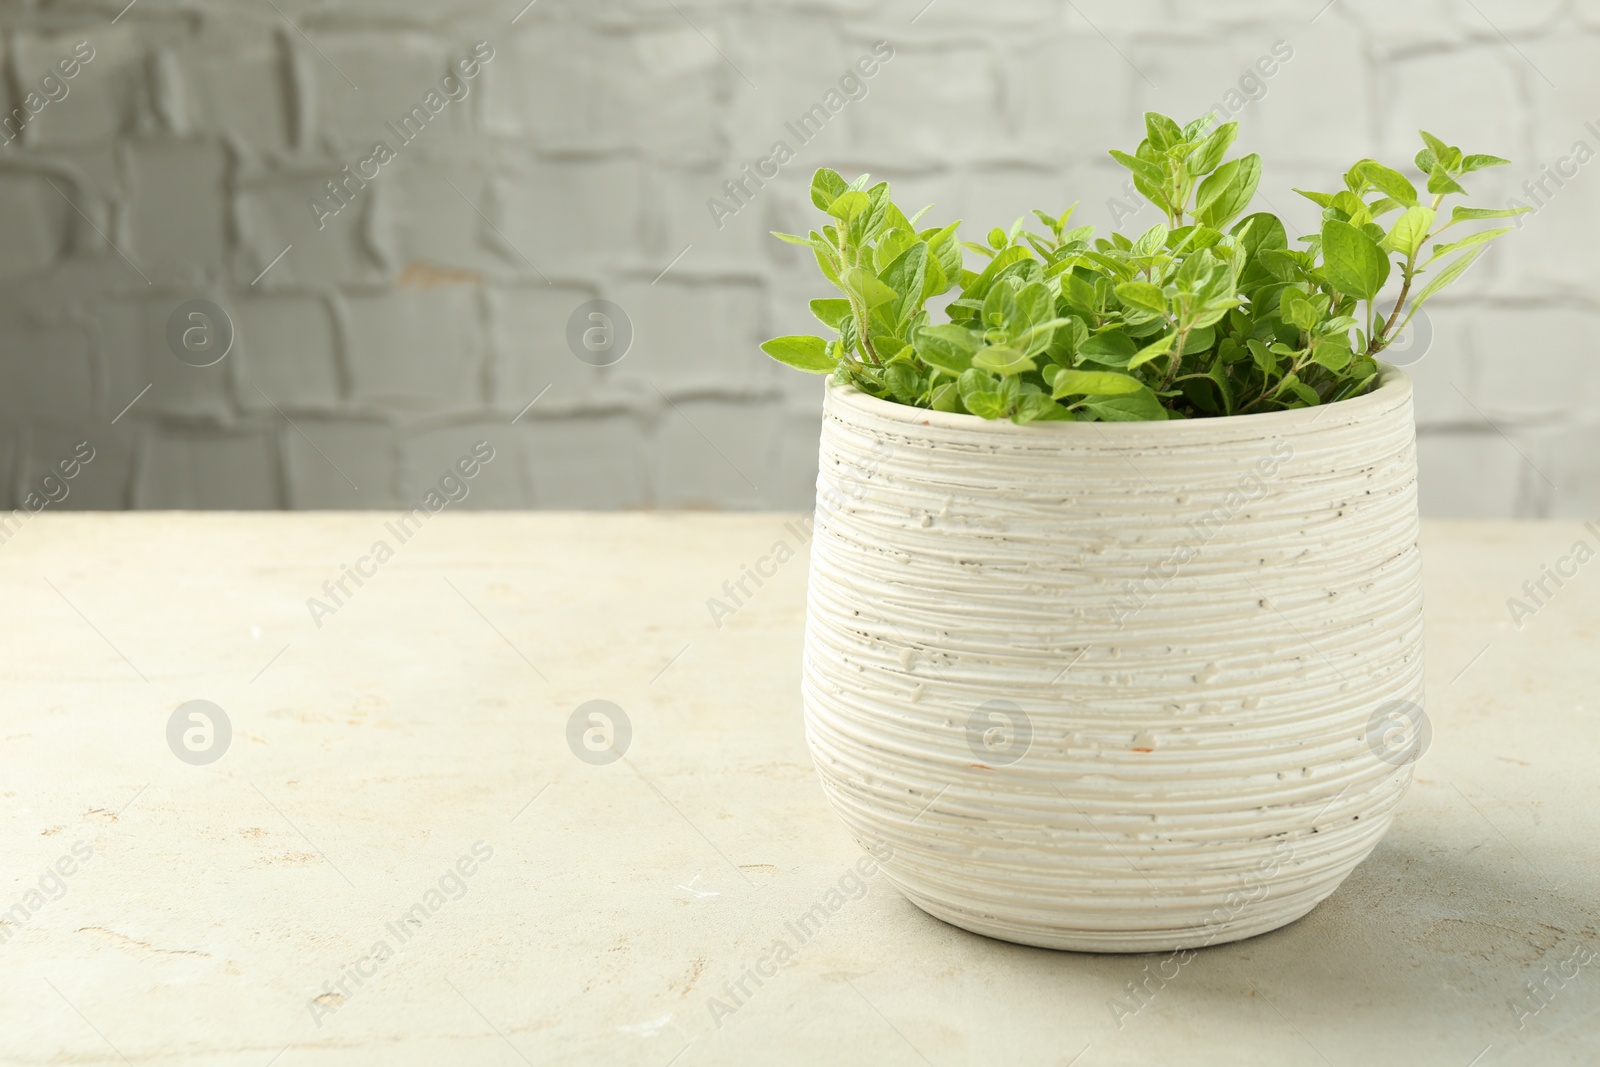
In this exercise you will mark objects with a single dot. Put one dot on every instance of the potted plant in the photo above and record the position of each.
(1114, 622)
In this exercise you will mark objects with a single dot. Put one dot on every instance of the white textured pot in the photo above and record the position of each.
(1113, 686)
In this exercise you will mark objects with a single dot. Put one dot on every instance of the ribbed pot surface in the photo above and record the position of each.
(1116, 687)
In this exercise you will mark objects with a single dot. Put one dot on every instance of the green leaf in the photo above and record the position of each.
(827, 262)
(1142, 295)
(1078, 293)
(1265, 360)
(1439, 181)
(1228, 191)
(1142, 406)
(865, 287)
(848, 205)
(831, 312)
(1113, 266)
(1331, 354)
(1449, 274)
(1032, 407)
(826, 187)
(791, 238)
(1409, 231)
(1463, 214)
(1153, 240)
(1141, 168)
(1382, 206)
(1092, 383)
(1197, 273)
(1294, 306)
(1207, 156)
(1219, 374)
(980, 285)
(1036, 304)
(1352, 261)
(906, 276)
(948, 347)
(1478, 162)
(947, 397)
(1300, 389)
(1162, 132)
(985, 405)
(1390, 182)
(1200, 339)
(904, 382)
(1260, 231)
(1322, 200)
(1111, 348)
(1284, 265)
(1000, 310)
(1479, 238)
(890, 349)
(803, 352)
(1159, 347)
(1353, 207)
(1002, 360)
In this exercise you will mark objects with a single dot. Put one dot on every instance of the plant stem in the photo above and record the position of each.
(1378, 340)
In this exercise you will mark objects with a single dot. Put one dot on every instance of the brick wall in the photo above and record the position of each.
(372, 346)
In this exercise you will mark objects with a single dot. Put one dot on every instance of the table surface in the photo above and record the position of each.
(298, 901)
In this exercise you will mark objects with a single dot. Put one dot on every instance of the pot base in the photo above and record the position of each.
(1119, 941)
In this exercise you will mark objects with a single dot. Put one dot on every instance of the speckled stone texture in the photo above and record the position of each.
(623, 901)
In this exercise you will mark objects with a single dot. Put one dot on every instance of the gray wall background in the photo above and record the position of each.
(428, 313)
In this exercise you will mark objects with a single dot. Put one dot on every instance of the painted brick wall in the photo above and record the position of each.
(372, 346)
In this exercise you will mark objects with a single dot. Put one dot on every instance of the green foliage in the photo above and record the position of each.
(1205, 314)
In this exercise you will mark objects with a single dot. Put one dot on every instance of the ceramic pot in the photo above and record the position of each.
(1116, 687)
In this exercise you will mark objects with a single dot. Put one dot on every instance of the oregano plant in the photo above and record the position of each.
(1204, 314)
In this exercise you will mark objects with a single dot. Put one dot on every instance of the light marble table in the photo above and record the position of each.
(213, 911)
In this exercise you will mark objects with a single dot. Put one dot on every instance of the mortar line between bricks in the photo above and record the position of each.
(102, 233)
(1113, 47)
(714, 47)
(532, 402)
(489, 223)
(274, 263)
(674, 263)
(1503, 436)
(302, 433)
(313, 45)
(132, 402)
(1512, 46)
(708, 440)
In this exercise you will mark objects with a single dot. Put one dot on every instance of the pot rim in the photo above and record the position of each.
(1393, 391)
